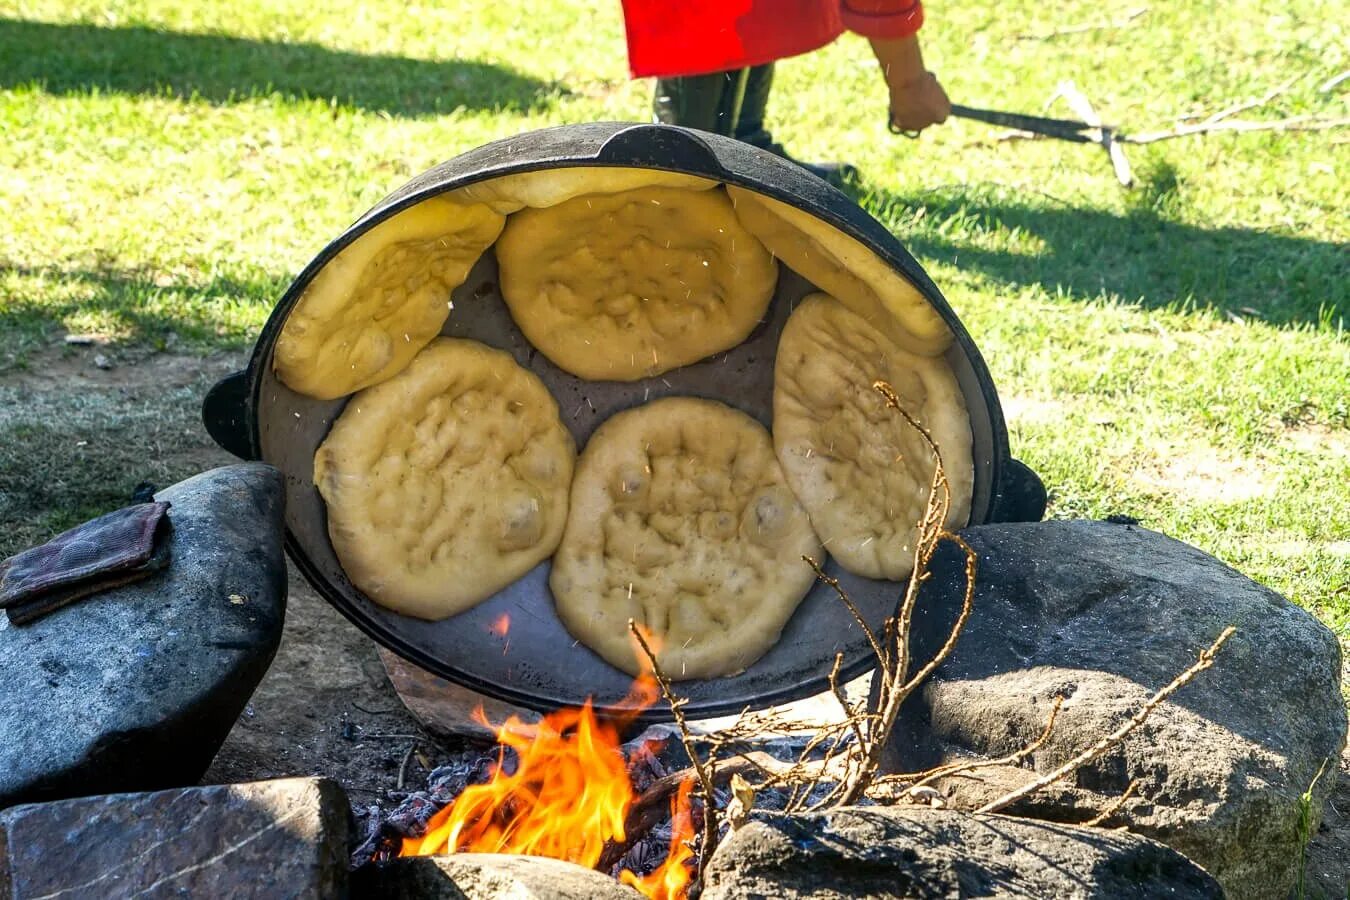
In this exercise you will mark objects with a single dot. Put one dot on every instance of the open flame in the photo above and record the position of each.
(567, 794)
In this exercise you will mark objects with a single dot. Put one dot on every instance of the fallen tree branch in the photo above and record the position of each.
(1106, 743)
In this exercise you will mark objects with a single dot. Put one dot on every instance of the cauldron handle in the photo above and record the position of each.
(1021, 494)
(224, 413)
(666, 146)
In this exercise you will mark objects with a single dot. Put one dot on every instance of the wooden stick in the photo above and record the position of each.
(686, 738)
(1099, 749)
(1081, 29)
(1294, 123)
(1113, 807)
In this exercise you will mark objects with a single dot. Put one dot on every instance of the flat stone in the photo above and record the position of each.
(927, 854)
(136, 688)
(1107, 614)
(274, 839)
(487, 876)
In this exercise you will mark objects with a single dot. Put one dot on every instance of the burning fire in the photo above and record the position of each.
(567, 794)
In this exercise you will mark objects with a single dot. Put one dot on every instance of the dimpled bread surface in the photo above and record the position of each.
(624, 286)
(681, 520)
(845, 269)
(862, 472)
(382, 298)
(447, 482)
(549, 187)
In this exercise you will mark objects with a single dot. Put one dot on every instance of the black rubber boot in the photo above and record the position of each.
(750, 128)
(706, 102)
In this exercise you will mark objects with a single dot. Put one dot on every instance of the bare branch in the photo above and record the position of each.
(1295, 123)
(686, 738)
(960, 768)
(1113, 807)
(1122, 22)
(1106, 743)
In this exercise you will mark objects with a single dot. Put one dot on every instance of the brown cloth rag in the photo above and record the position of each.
(123, 546)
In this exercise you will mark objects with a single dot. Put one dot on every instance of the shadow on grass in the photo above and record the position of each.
(77, 59)
(133, 307)
(1141, 257)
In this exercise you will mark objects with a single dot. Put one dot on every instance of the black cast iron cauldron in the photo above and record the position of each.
(536, 663)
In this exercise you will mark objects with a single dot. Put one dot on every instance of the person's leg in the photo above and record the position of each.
(750, 128)
(706, 102)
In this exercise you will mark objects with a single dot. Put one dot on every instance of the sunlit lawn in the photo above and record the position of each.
(1175, 352)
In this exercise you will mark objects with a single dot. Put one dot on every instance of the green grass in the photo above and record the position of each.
(1176, 352)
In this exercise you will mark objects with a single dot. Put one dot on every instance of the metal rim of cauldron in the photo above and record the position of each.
(231, 408)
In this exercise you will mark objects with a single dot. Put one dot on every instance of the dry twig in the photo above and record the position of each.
(1122, 22)
(1106, 743)
(686, 737)
(923, 779)
(1114, 806)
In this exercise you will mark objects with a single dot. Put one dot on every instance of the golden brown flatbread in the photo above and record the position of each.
(680, 519)
(447, 482)
(623, 286)
(860, 470)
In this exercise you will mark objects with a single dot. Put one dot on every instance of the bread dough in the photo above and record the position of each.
(447, 482)
(681, 520)
(861, 471)
(623, 286)
(379, 301)
(845, 269)
(549, 187)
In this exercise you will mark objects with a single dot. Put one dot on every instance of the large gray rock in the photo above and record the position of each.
(923, 853)
(136, 688)
(487, 876)
(1107, 614)
(269, 839)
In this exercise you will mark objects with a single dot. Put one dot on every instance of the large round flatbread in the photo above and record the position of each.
(844, 268)
(681, 521)
(549, 187)
(447, 482)
(862, 472)
(623, 286)
(379, 301)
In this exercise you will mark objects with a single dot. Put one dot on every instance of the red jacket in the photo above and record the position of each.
(670, 38)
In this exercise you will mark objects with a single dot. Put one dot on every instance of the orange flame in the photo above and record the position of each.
(501, 625)
(568, 795)
(670, 880)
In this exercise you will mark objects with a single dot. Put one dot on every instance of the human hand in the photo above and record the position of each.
(918, 102)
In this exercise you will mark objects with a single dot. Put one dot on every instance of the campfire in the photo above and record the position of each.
(562, 788)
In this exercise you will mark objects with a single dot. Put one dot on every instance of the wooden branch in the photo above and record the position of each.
(960, 768)
(1082, 29)
(1106, 743)
(1113, 807)
(649, 809)
(686, 738)
(1295, 123)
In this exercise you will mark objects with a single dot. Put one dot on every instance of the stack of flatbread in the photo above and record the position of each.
(449, 473)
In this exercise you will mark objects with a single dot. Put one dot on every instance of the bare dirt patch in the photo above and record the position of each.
(1023, 410)
(1205, 475)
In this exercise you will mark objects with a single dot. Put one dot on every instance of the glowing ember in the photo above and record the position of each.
(567, 794)
(500, 625)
